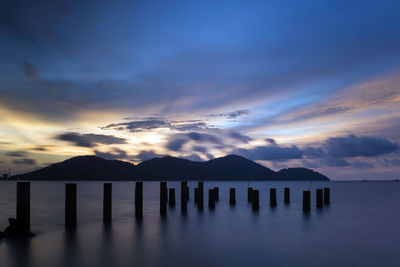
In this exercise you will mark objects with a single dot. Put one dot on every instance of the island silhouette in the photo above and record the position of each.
(227, 168)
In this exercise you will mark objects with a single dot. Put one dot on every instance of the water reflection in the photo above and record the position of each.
(71, 247)
(19, 250)
(226, 236)
(107, 254)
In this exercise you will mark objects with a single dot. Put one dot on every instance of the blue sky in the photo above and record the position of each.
(125, 79)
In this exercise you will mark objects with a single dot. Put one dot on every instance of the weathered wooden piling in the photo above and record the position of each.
(306, 201)
(249, 194)
(327, 195)
(211, 198)
(216, 192)
(200, 200)
(107, 202)
(139, 199)
(196, 195)
(184, 198)
(255, 200)
(232, 196)
(272, 197)
(286, 198)
(171, 198)
(70, 205)
(318, 202)
(24, 205)
(163, 198)
(183, 190)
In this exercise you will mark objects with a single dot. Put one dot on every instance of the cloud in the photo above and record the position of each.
(320, 112)
(176, 144)
(193, 157)
(16, 154)
(204, 137)
(177, 141)
(148, 154)
(254, 65)
(29, 70)
(114, 154)
(189, 126)
(201, 149)
(361, 164)
(333, 152)
(231, 115)
(391, 162)
(272, 153)
(25, 161)
(270, 141)
(335, 162)
(152, 123)
(90, 140)
(241, 137)
(141, 125)
(313, 152)
(354, 146)
(40, 148)
(312, 164)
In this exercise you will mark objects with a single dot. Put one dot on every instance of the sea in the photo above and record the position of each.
(360, 227)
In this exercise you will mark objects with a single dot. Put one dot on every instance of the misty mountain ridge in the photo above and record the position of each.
(228, 168)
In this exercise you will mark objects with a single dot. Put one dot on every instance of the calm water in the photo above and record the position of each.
(359, 228)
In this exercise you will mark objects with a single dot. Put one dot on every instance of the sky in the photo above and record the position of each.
(284, 83)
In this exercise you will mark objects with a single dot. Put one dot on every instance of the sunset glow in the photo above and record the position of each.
(198, 83)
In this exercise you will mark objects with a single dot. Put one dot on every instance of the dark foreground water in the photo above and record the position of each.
(359, 228)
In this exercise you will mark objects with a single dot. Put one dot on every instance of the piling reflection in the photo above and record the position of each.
(71, 247)
(19, 250)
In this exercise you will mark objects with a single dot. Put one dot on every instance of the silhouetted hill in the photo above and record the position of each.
(169, 168)
(233, 167)
(226, 168)
(84, 168)
(300, 173)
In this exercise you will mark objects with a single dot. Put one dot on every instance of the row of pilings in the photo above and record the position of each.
(167, 197)
(322, 198)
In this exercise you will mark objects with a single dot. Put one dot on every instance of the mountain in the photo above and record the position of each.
(299, 172)
(233, 167)
(169, 168)
(228, 168)
(84, 168)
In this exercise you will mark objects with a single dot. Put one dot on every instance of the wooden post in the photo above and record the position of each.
(184, 198)
(196, 195)
(232, 196)
(327, 195)
(319, 197)
(249, 194)
(171, 197)
(107, 202)
(200, 201)
(211, 198)
(163, 198)
(23, 205)
(306, 201)
(139, 199)
(286, 195)
(183, 190)
(70, 205)
(272, 197)
(216, 192)
(255, 200)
